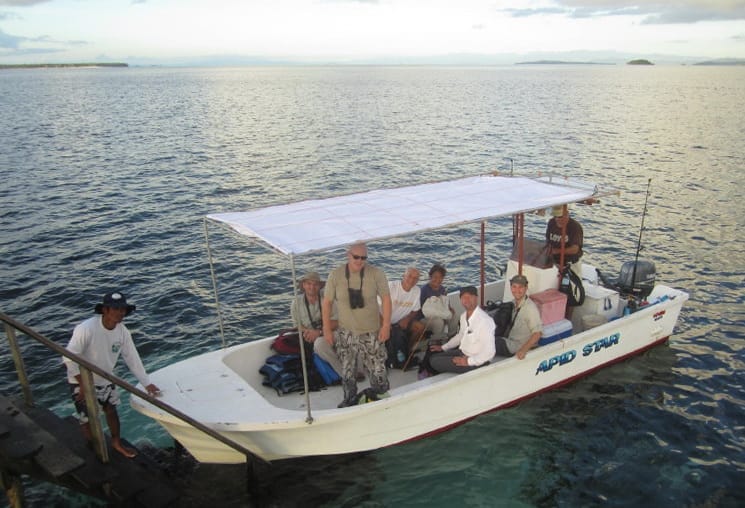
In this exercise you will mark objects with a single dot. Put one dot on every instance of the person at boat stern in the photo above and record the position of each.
(526, 322)
(101, 340)
(562, 226)
(306, 311)
(363, 329)
(471, 347)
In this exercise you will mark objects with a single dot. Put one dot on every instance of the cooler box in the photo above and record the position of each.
(555, 331)
(598, 301)
(539, 279)
(590, 321)
(552, 304)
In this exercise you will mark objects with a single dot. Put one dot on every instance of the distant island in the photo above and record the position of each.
(723, 61)
(639, 61)
(560, 62)
(56, 65)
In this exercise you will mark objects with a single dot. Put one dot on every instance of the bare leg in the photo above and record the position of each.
(112, 419)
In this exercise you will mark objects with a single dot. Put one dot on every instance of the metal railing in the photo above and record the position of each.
(86, 370)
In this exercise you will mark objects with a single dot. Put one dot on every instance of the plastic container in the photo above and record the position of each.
(552, 304)
(555, 331)
(600, 300)
(592, 320)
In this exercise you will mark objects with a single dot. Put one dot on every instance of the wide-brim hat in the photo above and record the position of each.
(313, 276)
(310, 276)
(558, 211)
(115, 301)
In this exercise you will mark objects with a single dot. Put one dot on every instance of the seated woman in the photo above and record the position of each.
(437, 325)
(471, 347)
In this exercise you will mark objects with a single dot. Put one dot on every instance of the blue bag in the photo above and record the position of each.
(328, 374)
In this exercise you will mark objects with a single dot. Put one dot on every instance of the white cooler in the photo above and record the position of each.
(598, 301)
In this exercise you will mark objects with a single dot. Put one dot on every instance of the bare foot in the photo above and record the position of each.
(127, 452)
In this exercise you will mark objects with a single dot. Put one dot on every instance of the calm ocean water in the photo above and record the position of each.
(108, 174)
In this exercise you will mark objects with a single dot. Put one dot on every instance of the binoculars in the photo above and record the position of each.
(356, 301)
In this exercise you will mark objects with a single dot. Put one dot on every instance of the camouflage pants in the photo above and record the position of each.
(356, 351)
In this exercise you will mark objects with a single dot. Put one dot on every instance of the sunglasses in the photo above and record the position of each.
(355, 256)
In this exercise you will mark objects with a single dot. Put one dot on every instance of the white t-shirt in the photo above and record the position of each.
(403, 303)
(102, 347)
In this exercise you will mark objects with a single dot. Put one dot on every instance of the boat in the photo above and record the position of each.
(223, 389)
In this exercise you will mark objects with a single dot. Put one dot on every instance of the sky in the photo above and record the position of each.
(357, 31)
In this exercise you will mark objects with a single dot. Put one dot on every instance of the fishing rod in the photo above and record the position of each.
(639, 242)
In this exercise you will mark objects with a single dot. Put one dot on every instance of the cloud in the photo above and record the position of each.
(656, 12)
(22, 3)
(8, 41)
(17, 45)
(352, 1)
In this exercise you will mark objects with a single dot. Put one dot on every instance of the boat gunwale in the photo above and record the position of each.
(327, 416)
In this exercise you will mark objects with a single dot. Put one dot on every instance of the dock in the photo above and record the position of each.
(37, 443)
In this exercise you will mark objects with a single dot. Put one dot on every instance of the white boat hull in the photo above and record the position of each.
(223, 390)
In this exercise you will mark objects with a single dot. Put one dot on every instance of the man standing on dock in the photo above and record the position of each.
(100, 340)
(363, 329)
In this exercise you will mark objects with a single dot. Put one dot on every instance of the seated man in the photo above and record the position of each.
(406, 329)
(526, 322)
(306, 311)
(471, 347)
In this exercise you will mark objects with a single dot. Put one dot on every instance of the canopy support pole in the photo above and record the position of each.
(562, 240)
(483, 260)
(520, 234)
(301, 341)
(214, 284)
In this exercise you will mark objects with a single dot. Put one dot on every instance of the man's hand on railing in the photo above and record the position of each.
(153, 390)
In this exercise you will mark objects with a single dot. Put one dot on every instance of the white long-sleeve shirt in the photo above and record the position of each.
(475, 337)
(102, 347)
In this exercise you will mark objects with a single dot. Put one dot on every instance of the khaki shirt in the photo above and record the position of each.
(374, 284)
(527, 322)
(299, 312)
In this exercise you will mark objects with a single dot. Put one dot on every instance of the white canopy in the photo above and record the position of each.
(321, 224)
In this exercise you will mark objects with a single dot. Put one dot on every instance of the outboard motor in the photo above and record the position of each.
(640, 284)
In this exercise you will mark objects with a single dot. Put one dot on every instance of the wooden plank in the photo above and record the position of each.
(53, 457)
(92, 473)
(128, 482)
(14, 448)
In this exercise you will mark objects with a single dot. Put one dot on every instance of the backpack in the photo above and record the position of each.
(287, 342)
(281, 373)
(571, 285)
(328, 374)
(502, 315)
(397, 347)
(284, 373)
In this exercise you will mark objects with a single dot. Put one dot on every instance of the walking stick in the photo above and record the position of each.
(412, 350)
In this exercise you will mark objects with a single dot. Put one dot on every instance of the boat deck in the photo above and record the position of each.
(330, 396)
